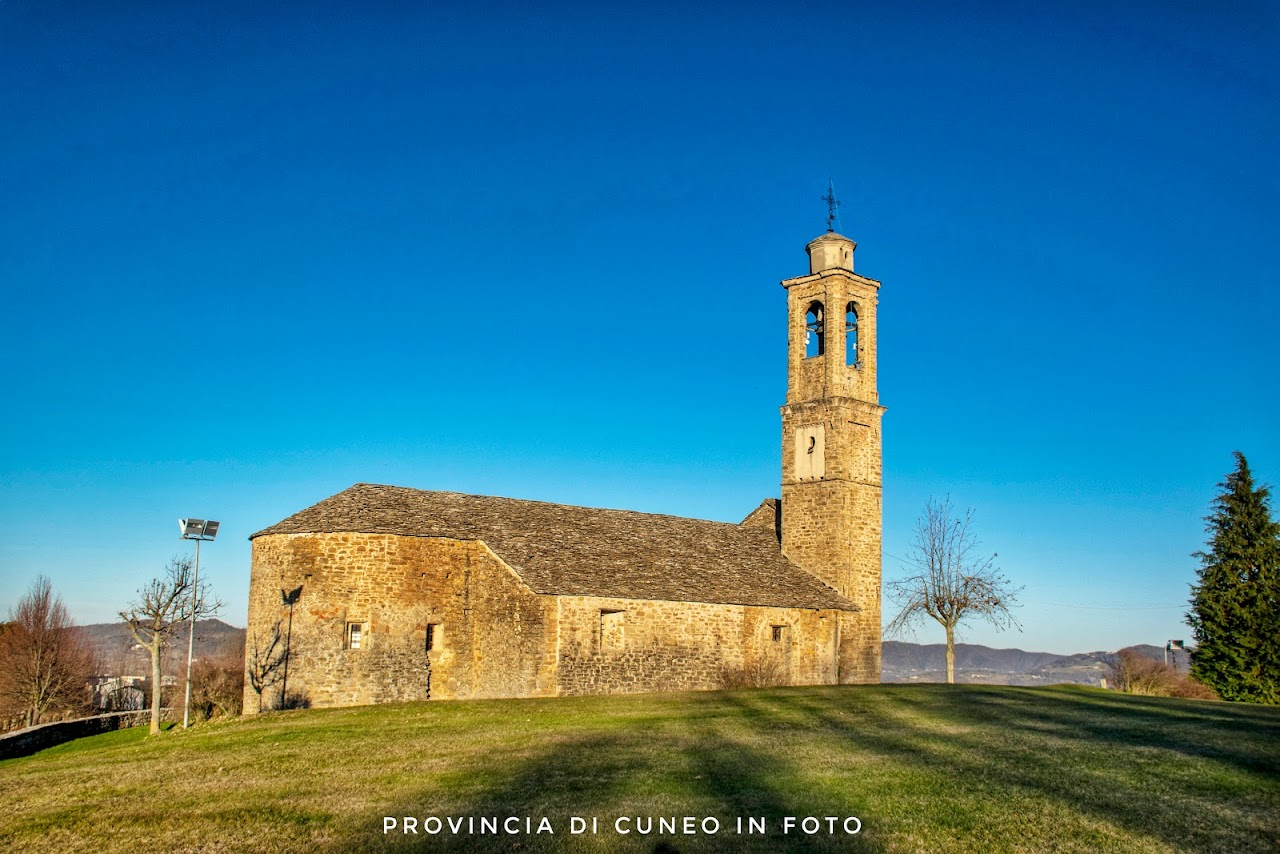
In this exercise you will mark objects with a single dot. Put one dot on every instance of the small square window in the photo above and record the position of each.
(435, 636)
(355, 635)
(779, 632)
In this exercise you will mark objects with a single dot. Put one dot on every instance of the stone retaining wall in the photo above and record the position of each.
(27, 741)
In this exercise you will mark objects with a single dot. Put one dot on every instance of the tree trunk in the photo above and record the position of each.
(155, 689)
(951, 655)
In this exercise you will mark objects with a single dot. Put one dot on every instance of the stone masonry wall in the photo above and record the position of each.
(832, 526)
(860, 648)
(492, 636)
(619, 646)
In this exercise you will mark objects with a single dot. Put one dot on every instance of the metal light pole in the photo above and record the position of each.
(198, 530)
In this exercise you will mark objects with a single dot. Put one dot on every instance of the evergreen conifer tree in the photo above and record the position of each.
(1235, 606)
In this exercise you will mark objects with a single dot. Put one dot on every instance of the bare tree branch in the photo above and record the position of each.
(162, 605)
(45, 660)
(950, 579)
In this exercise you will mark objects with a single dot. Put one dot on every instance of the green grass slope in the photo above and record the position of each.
(924, 768)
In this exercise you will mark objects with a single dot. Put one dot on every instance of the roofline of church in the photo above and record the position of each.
(650, 556)
(264, 531)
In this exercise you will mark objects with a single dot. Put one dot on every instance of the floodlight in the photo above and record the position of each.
(198, 530)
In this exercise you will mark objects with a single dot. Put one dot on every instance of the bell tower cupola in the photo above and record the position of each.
(831, 251)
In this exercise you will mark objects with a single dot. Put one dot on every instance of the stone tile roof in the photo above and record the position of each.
(584, 551)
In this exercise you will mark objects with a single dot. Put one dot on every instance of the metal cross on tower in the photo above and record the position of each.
(832, 204)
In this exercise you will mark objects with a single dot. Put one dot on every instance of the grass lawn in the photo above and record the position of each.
(924, 768)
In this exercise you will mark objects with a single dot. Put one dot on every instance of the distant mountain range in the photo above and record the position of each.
(912, 662)
(900, 661)
(119, 654)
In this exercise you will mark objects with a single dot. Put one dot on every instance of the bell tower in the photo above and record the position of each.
(831, 487)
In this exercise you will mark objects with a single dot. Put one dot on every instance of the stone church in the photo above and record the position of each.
(385, 593)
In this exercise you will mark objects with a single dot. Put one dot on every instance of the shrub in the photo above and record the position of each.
(217, 687)
(763, 672)
(1134, 673)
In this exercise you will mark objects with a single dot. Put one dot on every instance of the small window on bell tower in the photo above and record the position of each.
(814, 331)
(851, 335)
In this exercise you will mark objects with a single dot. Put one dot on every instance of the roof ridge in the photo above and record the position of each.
(534, 501)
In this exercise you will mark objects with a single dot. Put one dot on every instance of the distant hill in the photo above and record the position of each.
(912, 662)
(119, 655)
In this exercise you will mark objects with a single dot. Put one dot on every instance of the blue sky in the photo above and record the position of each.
(251, 257)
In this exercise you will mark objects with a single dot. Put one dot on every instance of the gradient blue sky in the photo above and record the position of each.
(253, 256)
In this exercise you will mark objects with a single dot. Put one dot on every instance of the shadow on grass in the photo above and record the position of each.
(1241, 736)
(924, 767)
(1194, 775)
(629, 780)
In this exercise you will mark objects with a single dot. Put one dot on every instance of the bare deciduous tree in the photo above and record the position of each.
(163, 604)
(45, 660)
(952, 581)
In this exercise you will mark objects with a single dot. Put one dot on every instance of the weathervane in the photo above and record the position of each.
(832, 204)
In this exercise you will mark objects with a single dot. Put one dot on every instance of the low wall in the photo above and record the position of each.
(24, 742)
